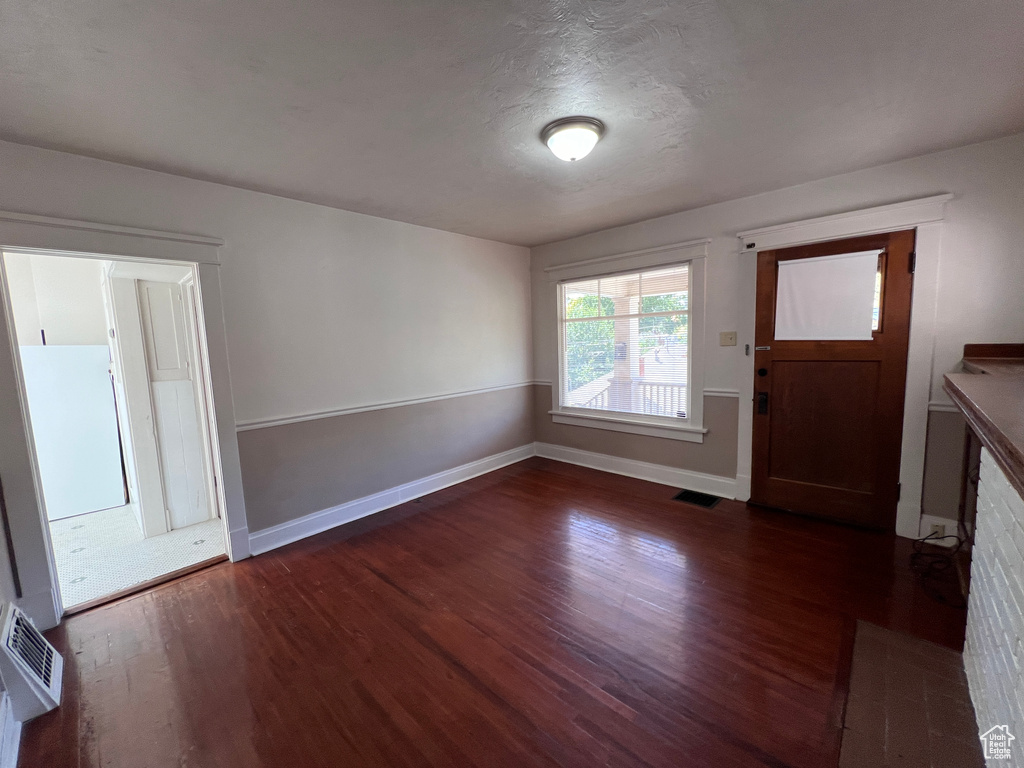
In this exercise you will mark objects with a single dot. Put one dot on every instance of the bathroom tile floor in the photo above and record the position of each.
(104, 552)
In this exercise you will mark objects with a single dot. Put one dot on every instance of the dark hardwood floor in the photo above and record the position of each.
(544, 614)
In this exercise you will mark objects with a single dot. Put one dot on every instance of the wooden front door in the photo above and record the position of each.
(828, 414)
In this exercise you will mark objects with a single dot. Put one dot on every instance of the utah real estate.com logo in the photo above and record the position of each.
(995, 742)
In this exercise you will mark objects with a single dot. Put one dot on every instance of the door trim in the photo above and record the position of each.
(91, 239)
(925, 215)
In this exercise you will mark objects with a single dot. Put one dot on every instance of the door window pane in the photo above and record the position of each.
(829, 298)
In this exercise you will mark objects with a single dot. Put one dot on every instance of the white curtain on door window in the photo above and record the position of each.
(829, 298)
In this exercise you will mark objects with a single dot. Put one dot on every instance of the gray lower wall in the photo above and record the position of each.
(715, 456)
(292, 470)
(943, 466)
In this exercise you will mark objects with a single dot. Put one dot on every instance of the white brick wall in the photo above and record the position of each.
(994, 653)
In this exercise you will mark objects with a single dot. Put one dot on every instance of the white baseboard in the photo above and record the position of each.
(742, 488)
(10, 734)
(716, 485)
(318, 522)
(239, 544)
(726, 487)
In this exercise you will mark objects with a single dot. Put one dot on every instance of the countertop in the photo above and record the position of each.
(993, 403)
(996, 366)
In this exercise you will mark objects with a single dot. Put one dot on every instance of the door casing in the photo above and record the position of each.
(842, 468)
(925, 215)
(39, 234)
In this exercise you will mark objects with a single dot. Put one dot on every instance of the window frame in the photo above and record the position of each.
(689, 429)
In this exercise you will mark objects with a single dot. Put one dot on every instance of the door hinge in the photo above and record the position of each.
(912, 262)
(899, 490)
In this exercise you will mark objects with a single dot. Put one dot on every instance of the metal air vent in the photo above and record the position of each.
(695, 497)
(30, 667)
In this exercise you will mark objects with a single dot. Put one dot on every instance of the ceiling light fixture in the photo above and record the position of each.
(572, 138)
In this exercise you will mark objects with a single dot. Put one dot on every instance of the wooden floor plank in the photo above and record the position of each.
(543, 614)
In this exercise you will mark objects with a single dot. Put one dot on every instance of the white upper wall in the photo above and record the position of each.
(21, 285)
(61, 296)
(324, 309)
(981, 272)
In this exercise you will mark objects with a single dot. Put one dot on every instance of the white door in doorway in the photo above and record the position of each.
(174, 402)
(74, 426)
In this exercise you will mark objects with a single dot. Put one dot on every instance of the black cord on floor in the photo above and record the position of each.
(937, 570)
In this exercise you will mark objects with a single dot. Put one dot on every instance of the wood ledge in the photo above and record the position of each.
(994, 408)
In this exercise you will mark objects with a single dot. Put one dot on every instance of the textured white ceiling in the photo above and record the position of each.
(429, 111)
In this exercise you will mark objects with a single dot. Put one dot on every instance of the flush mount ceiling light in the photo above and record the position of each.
(572, 138)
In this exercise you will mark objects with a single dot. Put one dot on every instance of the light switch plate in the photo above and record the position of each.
(727, 339)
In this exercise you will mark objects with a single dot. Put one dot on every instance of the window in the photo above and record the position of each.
(627, 353)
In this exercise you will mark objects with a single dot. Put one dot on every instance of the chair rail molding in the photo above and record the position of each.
(276, 421)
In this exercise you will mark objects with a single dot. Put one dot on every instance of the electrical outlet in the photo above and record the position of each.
(727, 339)
(937, 530)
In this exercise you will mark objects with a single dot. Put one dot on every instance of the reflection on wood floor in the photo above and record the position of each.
(543, 614)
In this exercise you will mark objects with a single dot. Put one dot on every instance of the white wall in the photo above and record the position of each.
(981, 280)
(61, 296)
(324, 309)
(22, 286)
(297, 285)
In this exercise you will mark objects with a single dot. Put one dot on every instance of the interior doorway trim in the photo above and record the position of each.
(926, 216)
(21, 231)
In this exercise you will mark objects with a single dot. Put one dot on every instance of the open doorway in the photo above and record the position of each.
(114, 377)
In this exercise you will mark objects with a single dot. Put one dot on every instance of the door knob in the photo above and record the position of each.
(762, 403)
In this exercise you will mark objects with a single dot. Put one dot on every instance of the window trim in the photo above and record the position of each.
(690, 429)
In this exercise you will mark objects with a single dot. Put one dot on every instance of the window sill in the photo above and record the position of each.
(632, 424)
